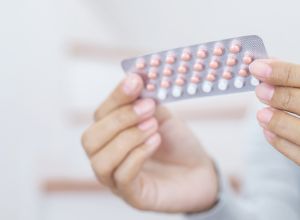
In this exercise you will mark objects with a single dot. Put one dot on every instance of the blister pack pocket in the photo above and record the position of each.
(213, 68)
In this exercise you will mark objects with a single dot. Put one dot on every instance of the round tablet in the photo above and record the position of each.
(235, 48)
(202, 53)
(227, 75)
(186, 56)
(150, 87)
(140, 64)
(167, 71)
(152, 74)
(211, 77)
(247, 59)
(198, 67)
(171, 59)
(231, 61)
(218, 51)
(155, 62)
(182, 69)
(195, 79)
(214, 64)
(165, 84)
(243, 72)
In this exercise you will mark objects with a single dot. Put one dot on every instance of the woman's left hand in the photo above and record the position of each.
(280, 89)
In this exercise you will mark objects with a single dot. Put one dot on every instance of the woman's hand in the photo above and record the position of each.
(281, 91)
(148, 157)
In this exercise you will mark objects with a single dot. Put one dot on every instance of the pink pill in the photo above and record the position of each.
(186, 56)
(150, 87)
(218, 51)
(214, 64)
(155, 62)
(167, 71)
(165, 84)
(247, 59)
(243, 73)
(152, 74)
(211, 77)
(231, 61)
(227, 75)
(140, 64)
(202, 54)
(182, 69)
(171, 59)
(235, 48)
(195, 79)
(179, 81)
(198, 67)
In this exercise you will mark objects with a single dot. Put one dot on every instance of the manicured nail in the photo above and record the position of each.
(131, 84)
(148, 124)
(264, 116)
(144, 107)
(269, 135)
(265, 92)
(153, 142)
(260, 69)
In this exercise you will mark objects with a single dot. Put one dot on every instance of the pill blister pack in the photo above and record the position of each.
(213, 68)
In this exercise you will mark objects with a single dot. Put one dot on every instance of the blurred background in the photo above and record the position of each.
(60, 58)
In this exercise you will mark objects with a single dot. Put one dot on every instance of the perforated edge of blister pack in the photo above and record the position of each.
(206, 69)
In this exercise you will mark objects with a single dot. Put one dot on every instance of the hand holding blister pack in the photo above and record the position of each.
(213, 68)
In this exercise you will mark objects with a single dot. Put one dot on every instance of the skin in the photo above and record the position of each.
(280, 90)
(148, 157)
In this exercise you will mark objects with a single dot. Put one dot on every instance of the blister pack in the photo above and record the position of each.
(213, 68)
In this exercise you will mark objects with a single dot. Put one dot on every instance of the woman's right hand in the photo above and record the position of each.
(148, 157)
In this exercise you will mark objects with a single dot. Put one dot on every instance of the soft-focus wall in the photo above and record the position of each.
(45, 89)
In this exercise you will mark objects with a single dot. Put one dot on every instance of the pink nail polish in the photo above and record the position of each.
(264, 116)
(131, 84)
(260, 69)
(148, 124)
(153, 142)
(144, 107)
(269, 135)
(265, 92)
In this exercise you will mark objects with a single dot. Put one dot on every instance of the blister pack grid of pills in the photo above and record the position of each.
(213, 68)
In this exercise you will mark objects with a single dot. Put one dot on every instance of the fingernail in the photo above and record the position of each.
(264, 116)
(131, 84)
(153, 142)
(144, 107)
(147, 125)
(260, 69)
(269, 135)
(265, 92)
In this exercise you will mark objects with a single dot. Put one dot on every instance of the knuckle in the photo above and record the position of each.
(123, 116)
(277, 121)
(286, 98)
(121, 180)
(133, 135)
(289, 71)
(101, 167)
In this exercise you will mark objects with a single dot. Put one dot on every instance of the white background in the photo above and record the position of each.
(44, 88)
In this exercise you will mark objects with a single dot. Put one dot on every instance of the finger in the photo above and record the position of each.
(126, 92)
(284, 98)
(128, 171)
(290, 150)
(276, 72)
(281, 124)
(109, 158)
(100, 133)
